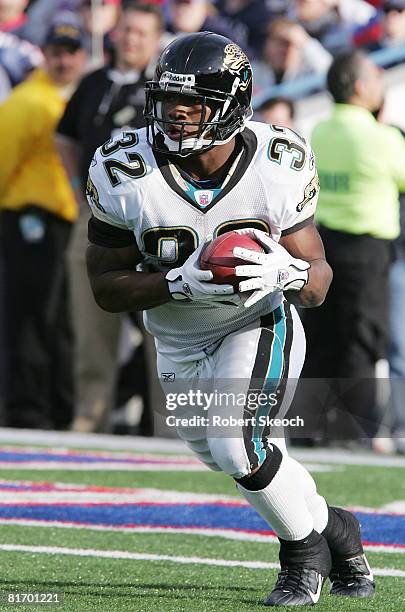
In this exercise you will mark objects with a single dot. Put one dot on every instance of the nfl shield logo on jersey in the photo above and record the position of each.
(203, 198)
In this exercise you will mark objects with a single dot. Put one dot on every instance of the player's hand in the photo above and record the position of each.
(273, 271)
(190, 283)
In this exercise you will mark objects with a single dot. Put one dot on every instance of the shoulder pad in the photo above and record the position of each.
(120, 160)
(283, 146)
(288, 149)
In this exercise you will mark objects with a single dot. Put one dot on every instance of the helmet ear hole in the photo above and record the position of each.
(212, 72)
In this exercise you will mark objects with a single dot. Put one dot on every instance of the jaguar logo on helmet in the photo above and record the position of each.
(235, 59)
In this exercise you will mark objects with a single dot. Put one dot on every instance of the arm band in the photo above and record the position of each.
(298, 226)
(110, 236)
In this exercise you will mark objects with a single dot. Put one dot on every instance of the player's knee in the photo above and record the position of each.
(209, 462)
(230, 455)
(198, 446)
(262, 477)
(201, 450)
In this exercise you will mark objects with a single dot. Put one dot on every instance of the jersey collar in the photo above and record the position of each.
(242, 163)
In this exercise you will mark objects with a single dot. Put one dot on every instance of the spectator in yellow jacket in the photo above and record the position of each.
(37, 211)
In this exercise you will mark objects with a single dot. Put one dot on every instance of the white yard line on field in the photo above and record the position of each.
(100, 466)
(112, 466)
(130, 556)
(347, 457)
(70, 439)
(169, 445)
(227, 534)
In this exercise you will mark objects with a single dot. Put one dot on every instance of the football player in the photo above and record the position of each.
(198, 170)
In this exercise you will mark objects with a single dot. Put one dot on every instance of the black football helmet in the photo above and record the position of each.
(211, 71)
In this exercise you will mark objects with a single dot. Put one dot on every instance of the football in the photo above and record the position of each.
(219, 258)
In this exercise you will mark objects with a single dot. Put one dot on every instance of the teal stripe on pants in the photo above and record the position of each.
(272, 379)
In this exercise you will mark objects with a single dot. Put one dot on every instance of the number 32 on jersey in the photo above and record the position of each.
(173, 245)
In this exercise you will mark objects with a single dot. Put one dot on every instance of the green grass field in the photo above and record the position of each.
(89, 581)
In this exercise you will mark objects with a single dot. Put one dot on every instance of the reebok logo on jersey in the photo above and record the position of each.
(168, 376)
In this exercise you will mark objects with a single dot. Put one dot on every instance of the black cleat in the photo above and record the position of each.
(352, 578)
(296, 586)
(350, 574)
(304, 566)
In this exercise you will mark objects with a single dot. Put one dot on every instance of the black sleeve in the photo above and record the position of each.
(109, 236)
(298, 226)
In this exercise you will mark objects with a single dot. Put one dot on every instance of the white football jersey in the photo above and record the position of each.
(273, 188)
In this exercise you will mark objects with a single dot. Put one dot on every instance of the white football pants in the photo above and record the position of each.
(263, 359)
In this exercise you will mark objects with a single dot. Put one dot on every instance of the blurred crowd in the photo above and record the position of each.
(71, 76)
(284, 38)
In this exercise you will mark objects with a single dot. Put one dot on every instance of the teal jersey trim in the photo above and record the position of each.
(273, 378)
(202, 195)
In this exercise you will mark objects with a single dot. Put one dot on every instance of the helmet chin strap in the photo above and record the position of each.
(196, 144)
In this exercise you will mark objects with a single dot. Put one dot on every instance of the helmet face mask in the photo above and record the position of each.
(215, 99)
(194, 136)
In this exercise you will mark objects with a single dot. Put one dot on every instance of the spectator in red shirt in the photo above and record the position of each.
(12, 16)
